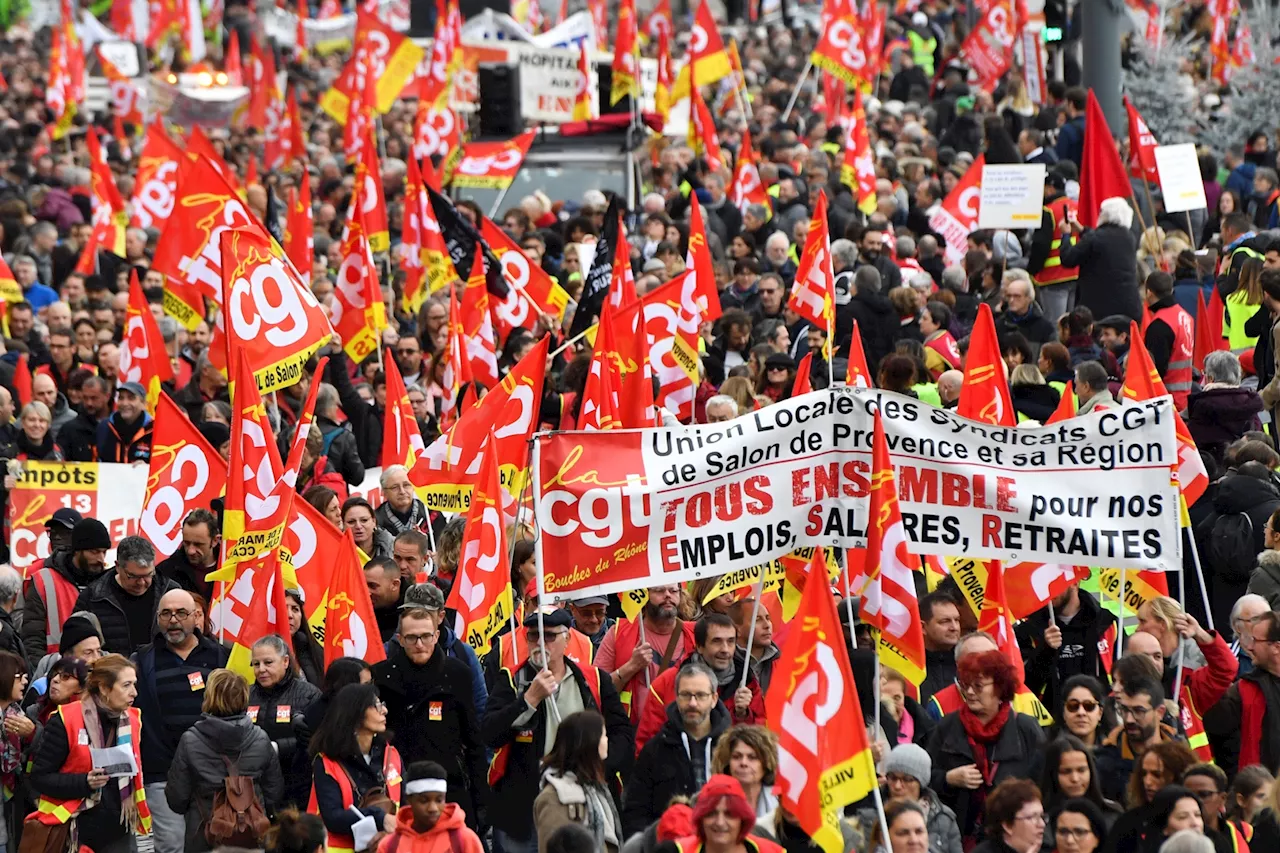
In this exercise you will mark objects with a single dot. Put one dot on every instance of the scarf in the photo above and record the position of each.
(31, 450)
(981, 736)
(129, 815)
(724, 678)
(10, 755)
(416, 514)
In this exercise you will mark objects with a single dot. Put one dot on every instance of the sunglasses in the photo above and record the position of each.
(1088, 705)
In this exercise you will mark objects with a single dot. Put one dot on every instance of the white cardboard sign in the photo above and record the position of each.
(1180, 181)
(1011, 196)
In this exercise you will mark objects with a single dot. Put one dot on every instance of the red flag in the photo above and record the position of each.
(481, 593)
(842, 53)
(634, 372)
(477, 326)
(658, 22)
(626, 54)
(702, 136)
(22, 380)
(996, 620)
(350, 625)
(708, 59)
(1142, 382)
(702, 285)
(824, 760)
(858, 171)
(1102, 175)
(356, 311)
(1066, 409)
(857, 374)
(143, 357)
(888, 600)
(582, 110)
(802, 384)
(747, 188)
(401, 439)
(813, 296)
(1142, 146)
(299, 233)
(988, 49)
(622, 281)
(531, 292)
(957, 216)
(1207, 337)
(186, 472)
(230, 59)
(984, 395)
(599, 409)
(662, 88)
(156, 179)
(457, 371)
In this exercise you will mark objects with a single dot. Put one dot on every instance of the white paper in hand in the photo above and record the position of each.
(116, 761)
(363, 830)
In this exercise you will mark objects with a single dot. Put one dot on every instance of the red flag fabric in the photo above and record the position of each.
(814, 297)
(984, 394)
(401, 439)
(996, 619)
(1208, 337)
(186, 472)
(957, 216)
(350, 625)
(802, 384)
(1102, 175)
(143, 357)
(1066, 409)
(747, 187)
(1142, 146)
(599, 409)
(857, 374)
(299, 232)
(22, 380)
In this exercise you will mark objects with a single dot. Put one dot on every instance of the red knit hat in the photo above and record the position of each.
(729, 789)
(676, 822)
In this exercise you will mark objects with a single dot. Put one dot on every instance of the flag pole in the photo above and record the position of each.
(795, 96)
(512, 550)
(751, 634)
(648, 678)
(564, 346)
(1204, 592)
(535, 472)
(884, 822)
(1120, 616)
(848, 603)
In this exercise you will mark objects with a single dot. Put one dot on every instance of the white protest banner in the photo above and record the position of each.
(549, 82)
(1011, 196)
(1180, 182)
(626, 509)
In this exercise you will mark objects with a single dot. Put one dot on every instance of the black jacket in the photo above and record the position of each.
(121, 442)
(364, 776)
(1218, 416)
(1036, 402)
(1012, 755)
(1079, 653)
(521, 782)
(664, 769)
(1107, 258)
(877, 322)
(99, 598)
(293, 694)
(364, 418)
(431, 717)
(158, 744)
(177, 569)
(199, 768)
(940, 673)
(34, 610)
(192, 399)
(1034, 326)
(1223, 721)
(1237, 494)
(78, 438)
(9, 639)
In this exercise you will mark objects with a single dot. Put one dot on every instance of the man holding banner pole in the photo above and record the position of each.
(636, 652)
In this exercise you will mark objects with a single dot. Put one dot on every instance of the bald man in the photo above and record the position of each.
(172, 673)
(949, 388)
(44, 389)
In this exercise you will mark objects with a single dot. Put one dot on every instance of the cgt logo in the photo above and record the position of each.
(823, 688)
(598, 502)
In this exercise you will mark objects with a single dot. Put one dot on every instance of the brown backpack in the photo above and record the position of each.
(238, 818)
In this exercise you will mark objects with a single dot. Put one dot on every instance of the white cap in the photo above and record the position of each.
(920, 19)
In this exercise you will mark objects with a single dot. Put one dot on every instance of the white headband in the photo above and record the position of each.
(425, 786)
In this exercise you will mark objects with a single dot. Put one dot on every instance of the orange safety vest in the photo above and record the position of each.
(392, 771)
(754, 844)
(1177, 378)
(1053, 272)
(579, 650)
(59, 596)
(625, 639)
(498, 767)
(1193, 725)
(52, 812)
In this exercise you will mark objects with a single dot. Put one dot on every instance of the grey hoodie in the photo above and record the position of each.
(1265, 579)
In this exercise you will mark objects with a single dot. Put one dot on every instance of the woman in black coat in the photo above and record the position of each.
(984, 743)
(278, 696)
(199, 769)
(1108, 260)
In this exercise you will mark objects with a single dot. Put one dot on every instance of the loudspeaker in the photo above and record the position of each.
(471, 8)
(499, 110)
(604, 76)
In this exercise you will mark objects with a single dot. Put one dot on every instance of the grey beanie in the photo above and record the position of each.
(910, 759)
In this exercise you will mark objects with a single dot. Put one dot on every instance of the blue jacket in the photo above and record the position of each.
(1071, 140)
(1240, 181)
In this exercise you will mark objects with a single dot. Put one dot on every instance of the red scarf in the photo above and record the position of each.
(981, 736)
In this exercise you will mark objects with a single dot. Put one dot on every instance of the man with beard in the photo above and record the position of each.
(717, 646)
(871, 254)
(429, 707)
(1079, 638)
(172, 672)
(78, 438)
(1139, 704)
(50, 594)
(652, 644)
(198, 556)
(408, 355)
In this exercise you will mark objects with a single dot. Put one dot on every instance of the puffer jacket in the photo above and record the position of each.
(1218, 415)
(1243, 496)
(1265, 580)
(99, 598)
(273, 709)
(198, 770)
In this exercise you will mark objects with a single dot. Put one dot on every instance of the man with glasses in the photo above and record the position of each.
(172, 673)
(1079, 639)
(400, 510)
(526, 707)
(1022, 314)
(676, 761)
(126, 600)
(1244, 613)
(1139, 706)
(408, 353)
(430, 710)
(1250, 709)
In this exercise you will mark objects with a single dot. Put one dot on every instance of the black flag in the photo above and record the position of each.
(461, 239)
(596, 286)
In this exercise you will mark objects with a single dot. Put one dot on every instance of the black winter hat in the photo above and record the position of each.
(75, 630)
(89, 534)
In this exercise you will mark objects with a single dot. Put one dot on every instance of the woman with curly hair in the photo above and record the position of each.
(984, 743)
(750, 755)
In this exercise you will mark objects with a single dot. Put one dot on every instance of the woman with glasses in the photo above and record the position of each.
(276, 701)
(1079, 827)
(1083, 712)
(1071, 774)
(356, 773)
(1014, 819)
(906, 770)
(985, 742)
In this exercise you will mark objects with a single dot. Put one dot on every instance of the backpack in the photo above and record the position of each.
(238, 818)
(1232, 551)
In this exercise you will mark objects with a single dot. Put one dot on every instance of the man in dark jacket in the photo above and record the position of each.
(1080, 639)
(400, 510)
(877, 321)
(940, 620)
(125, 436)
(1021, 314)
(1138, 704)
(207, 384)
(519, 726)
(678, 759)
(79, 566)
(78, 438)
(363, 443)
(1242, 505)
(172, 673)
(1070, 144)
(1251, 706)
(127, 599)
(429, 597)
(10, 588)
(199, 555)
(430, 709)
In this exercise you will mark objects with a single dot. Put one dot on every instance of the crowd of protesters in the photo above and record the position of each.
(582, 730)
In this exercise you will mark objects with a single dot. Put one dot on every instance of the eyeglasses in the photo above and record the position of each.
(899, 778)
(1074, 705)
(688, 696)
(418, 639)
(169, 615)
(130, 576)
(975, 686)
(379, 705)
(1077, 834)
(1037, 817)
(548, 636)
(1137, 713)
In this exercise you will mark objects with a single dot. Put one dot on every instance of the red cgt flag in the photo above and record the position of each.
(143, 357)
(155, 186)
(1142, 146)
(186, 472)
(1102, 175)
(350, 625)
(599, 409)
(824, 759)
(401, 438)
(984, 394)
(814, 296)
(996, 619)
(857, 375)
(532, 292)
(802, 384)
